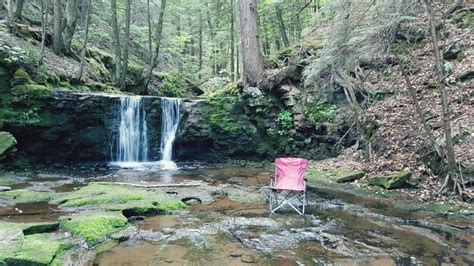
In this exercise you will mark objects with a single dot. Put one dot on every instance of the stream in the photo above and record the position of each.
(228, 222)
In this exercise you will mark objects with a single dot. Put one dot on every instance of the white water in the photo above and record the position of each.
(133, 142)
(169, 127)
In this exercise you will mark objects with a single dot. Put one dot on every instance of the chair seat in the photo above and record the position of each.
(287, 189)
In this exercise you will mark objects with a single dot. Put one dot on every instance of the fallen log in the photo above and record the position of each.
(152, 185)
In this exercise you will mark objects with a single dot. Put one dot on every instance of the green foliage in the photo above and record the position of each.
(226, 114)
(173, 85)
(464, 19)
(284, 122)
(321, 112)
(94, 228)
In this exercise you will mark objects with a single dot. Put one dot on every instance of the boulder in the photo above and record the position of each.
(393, 181)
(7, 144)
(452, 52)
(350, 177)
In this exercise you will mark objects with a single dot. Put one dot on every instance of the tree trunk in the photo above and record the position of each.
(200, 43)
(281, 25)
(252, 57)
(44, 19)
(116, 37)
(19, 9)
(150, 47)
(11, 16)
(444, 96)
(126, 44)
(86, 39)
(159, 29)
(72, 14)
(232, 46)
(57, 31)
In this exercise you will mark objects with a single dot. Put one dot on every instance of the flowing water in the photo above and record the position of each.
(228, 226)
(169, 127)
(132, 142)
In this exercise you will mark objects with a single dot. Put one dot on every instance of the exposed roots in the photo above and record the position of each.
(458, 186)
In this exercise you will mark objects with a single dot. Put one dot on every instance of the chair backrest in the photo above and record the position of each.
(290, 173)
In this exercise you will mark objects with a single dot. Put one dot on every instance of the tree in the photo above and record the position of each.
(232, 45)
(11, 16)
(19, 9)
(86, 39)
(72, 14)
(159, 28)
(116, 37)
(57, 33)
(126, 44)
(281, 25)
(252, 58)
(44, 19)
(452, 172)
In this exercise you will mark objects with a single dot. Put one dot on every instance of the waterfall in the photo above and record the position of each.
(169, 127)
(132, 142)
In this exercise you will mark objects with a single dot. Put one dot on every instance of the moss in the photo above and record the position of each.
(9, 180)
(26, 196)
(118, 198)
(4, 80)
(225, 113)
(21, 77)
(98, 69)
(94, 228)
(442, 208)
(464, 19)
(173, 85)
(396, 180)
(7, 143)
(38, 249)
(321, 112)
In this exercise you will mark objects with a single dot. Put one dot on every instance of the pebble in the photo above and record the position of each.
(247, 258)
(236, 254)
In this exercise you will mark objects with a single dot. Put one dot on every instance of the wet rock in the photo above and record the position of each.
(191, 201)
(169, 260)
(397, 180)
(7, 144)
(236, 254)
(168, 231)
(5, 188)
(247, 259)
(252, 92)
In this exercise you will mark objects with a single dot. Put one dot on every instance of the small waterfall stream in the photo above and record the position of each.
(132, 142)
(169, 127)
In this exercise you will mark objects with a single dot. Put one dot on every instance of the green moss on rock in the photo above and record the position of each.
(396, 180)
(94, 228)
(7, 144)
(20, 77)
(26, 196)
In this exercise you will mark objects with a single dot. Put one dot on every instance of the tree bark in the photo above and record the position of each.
(232, 46)
(72, 14)
(252, 57)
(159, 29)
(44, 19)
(200, 43)
(444, 96)
(11, 16)
(57, 30)
(126, 44)
(19, 9)
(116, 37)
(281, 25)
(86, 39)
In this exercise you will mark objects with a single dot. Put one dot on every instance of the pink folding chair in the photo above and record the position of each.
(288, 187)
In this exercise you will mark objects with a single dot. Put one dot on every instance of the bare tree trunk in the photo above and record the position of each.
(72, 14)
(116, 36)
(150, 47)
(159, 29)
(444, 96)
(281, 25)
(200, 43)
(19, 9)
(126, 44)
(252, 57)
(11, 16)
(57, 30)
(44, 20)
(86, 39)
(232, 46)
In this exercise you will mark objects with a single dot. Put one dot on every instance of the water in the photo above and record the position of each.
(169, 127)
(133, 142)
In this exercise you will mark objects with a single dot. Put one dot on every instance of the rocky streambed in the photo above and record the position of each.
(212, 215)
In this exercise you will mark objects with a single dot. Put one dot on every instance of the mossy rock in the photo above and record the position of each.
(21, 77)
(119, 198)
(94, 228)
(19, 249)
(7, 144)
(397, 180)
(26, 196)
(350, 177)
(4, 79)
